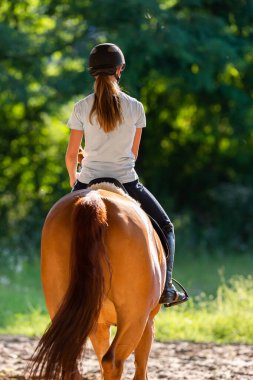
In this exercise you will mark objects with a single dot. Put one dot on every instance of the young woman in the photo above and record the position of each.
(111, 123)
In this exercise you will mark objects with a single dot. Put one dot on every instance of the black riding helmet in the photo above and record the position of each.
(105, 58)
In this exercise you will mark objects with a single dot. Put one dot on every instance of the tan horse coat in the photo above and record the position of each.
(125, 291)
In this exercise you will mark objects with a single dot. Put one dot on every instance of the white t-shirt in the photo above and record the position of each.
(108, 154)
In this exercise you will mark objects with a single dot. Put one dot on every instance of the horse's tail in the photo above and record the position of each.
(61, 345)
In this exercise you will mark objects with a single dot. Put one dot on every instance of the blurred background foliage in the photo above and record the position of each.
(191, 64)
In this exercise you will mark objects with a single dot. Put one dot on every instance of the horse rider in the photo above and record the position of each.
(111, 123)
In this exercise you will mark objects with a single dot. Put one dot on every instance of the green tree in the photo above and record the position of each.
(190, 62)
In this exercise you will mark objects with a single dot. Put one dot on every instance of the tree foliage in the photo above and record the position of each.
(189, 61)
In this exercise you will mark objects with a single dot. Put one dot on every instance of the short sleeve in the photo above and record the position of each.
(141, 117)
(74, 121)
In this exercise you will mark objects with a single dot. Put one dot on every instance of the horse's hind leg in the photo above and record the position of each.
(129, 332)
(100, 339)
(142, 351)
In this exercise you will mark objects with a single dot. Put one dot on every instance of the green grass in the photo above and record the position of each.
(226, 317)
(205, 273)
(220, 309)
(22, 307)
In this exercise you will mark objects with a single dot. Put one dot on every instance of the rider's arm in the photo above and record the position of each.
(72, 153)
(136, 143)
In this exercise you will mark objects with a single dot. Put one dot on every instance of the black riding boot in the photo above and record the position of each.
(171, 296)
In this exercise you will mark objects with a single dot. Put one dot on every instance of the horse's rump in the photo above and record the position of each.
(101, 262)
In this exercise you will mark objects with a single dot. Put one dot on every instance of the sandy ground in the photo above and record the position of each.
(173, 361)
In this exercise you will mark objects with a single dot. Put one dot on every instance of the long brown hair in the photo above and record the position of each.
(106, 103)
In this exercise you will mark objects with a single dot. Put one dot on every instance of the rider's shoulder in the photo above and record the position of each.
(87, 100)
(129, 99)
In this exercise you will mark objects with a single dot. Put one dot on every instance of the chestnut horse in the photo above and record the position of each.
(102, 264)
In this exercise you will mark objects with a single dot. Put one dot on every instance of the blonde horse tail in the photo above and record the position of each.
(61, 346)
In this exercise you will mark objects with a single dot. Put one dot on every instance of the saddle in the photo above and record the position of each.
(155, 225)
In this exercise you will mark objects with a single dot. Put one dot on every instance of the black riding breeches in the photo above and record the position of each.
(147, 201)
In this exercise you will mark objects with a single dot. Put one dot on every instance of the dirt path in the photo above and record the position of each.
(172, 361)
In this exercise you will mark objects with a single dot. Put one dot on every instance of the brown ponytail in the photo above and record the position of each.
(106, 103)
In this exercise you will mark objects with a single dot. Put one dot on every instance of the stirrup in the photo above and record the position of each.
(174, 303)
